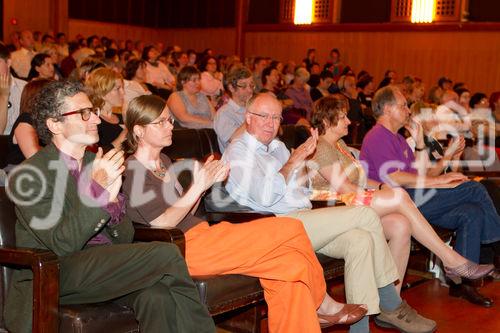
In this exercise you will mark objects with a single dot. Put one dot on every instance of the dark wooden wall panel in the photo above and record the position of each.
(356, 11)
(484, 10)
(156, 13)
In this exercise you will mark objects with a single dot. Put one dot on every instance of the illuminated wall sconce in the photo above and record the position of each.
(423, 11)
(303, 12)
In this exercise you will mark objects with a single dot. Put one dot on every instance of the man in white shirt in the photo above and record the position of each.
(10, 93)
(21, 59)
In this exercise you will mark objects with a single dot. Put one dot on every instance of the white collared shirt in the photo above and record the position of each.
(255, 181)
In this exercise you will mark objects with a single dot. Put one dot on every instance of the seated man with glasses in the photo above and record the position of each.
(266, 177)
(229, 122)
(449, 200)
(68, 200)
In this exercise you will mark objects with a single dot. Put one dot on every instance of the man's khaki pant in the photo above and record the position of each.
(355, 235)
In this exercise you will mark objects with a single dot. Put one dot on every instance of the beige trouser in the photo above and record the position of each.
(355, 235)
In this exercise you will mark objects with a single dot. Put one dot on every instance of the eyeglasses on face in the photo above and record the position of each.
(85, 113)
(266, 117)
(163, 121)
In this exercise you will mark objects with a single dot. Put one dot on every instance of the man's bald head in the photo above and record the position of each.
(263, 117)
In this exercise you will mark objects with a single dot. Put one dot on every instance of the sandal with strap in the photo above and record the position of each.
(349, 314)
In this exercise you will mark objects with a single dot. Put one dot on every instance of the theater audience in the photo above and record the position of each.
(339, 171)
(41, 67)
(81, 72)
(270, 80)
(264, 176)
(365, 89)
(97, 260)
(321, 90)
(157, 73)
(360, 122)
(310, 59)
(105, 90)
(211, 77)
(453, 119)
(259, 63)
(440, 159)
(463, 98)
(10, 93)
(190, 107)
(68, 63)
(135, 81)
(335, 64)
(21, 58)
(229, 121)
(299, 93)
(23, 140)
(263, 248)
(457, 204)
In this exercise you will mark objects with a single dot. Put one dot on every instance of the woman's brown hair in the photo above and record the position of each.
(327, 109)
(141, 111)
(31, 89)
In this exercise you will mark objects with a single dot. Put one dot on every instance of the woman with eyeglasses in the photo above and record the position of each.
(188, 104)
(105, 90)
(262, 248)
(338, 170)
(23, 139)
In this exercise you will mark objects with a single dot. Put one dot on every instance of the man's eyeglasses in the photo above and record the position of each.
(163, 122)
(275, 118)
(404, 106)
(85, 113)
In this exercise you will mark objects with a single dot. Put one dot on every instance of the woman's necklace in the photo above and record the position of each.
(161, 171)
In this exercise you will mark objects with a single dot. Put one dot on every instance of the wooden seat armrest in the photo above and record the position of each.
(45, 267)
(144, 233)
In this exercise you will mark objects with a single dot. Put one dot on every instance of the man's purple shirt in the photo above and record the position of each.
(384, 152)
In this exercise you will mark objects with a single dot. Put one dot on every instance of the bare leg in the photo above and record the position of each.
(397, 230)
(388, 201)
(329, 306)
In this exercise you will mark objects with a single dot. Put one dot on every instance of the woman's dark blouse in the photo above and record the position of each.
(148, 196)
(15, 155)
(108, 132)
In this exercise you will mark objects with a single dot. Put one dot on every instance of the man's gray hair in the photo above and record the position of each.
(50, 103)
(383, 97)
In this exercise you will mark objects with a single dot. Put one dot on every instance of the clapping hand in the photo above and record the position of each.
(304, 150)
(455, 148)
(211, 172)
(107, 171)
(5, 84)
(416, 130)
